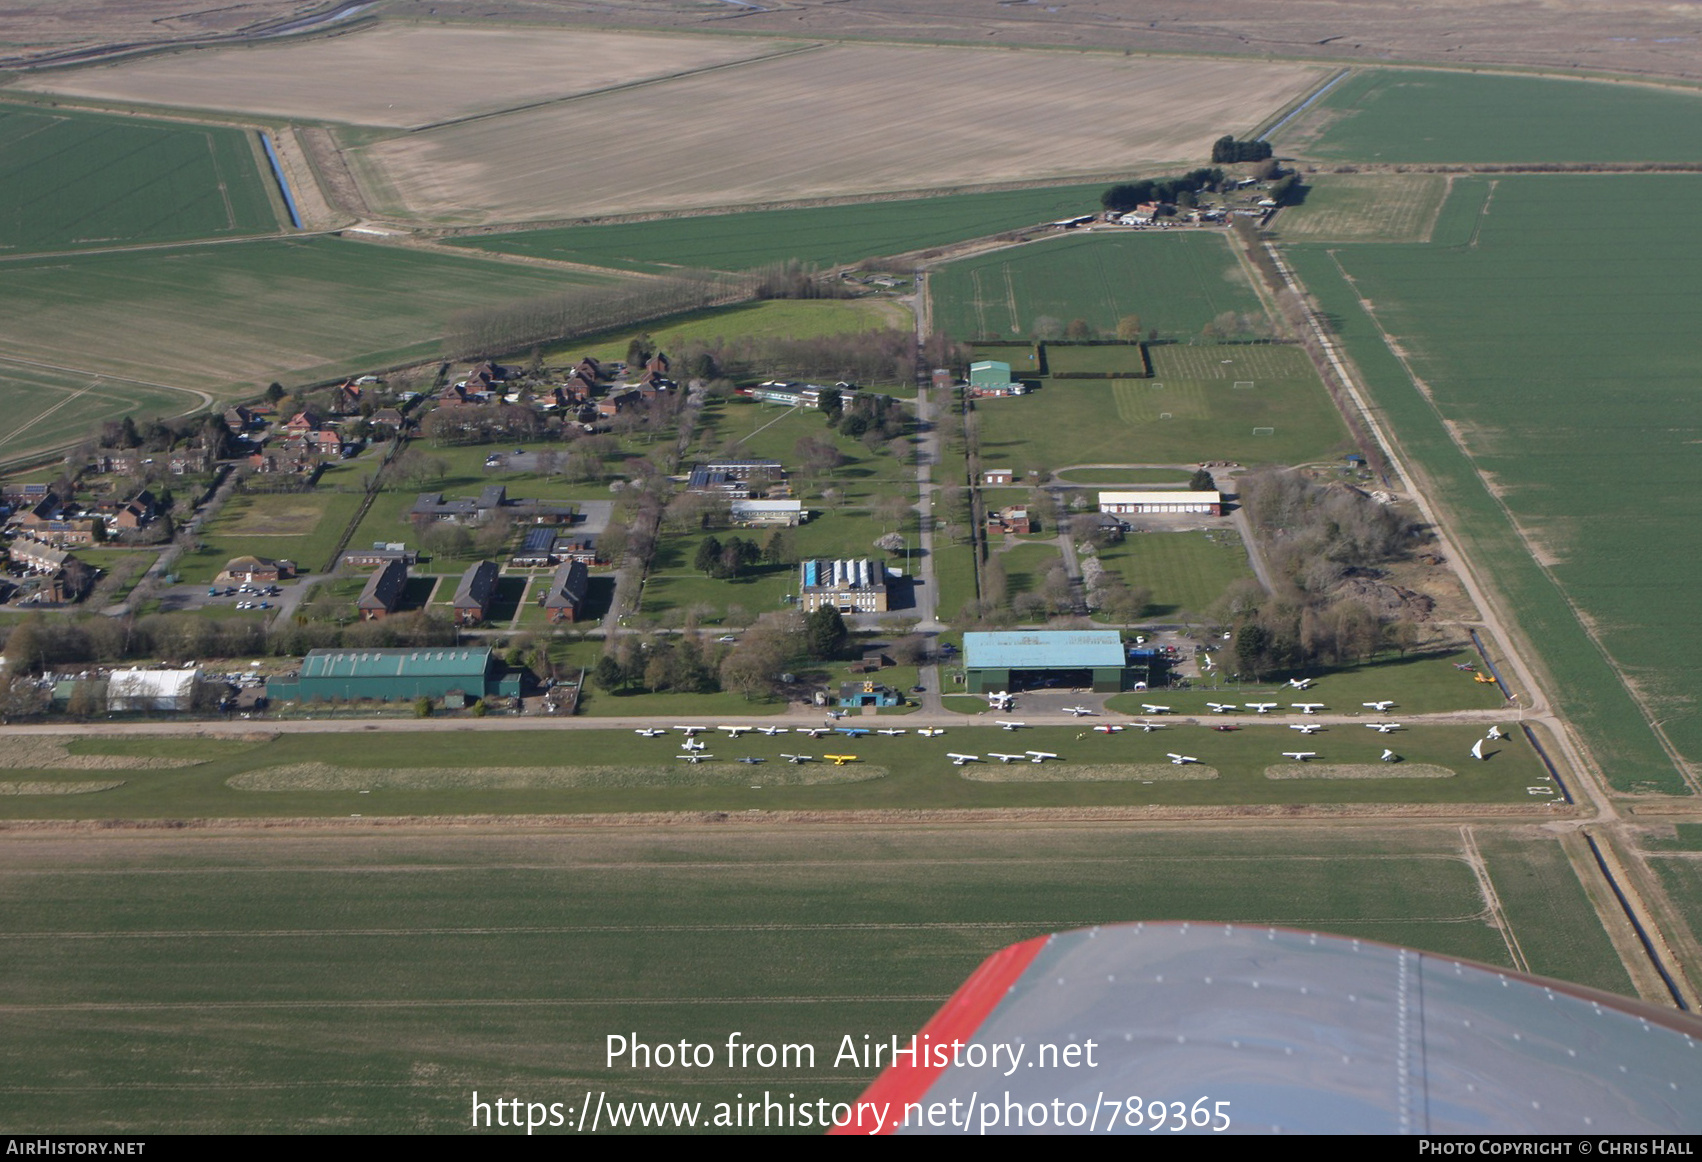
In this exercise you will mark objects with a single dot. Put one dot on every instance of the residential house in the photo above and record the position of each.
(473, 597)
(383, 592)
(565, 598)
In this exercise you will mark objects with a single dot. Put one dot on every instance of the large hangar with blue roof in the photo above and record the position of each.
(1033, 659)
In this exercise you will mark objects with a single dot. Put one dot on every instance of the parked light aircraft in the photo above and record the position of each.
(1384, 727)
(1079, 711)
(1484, 678)
(1300, 755)
(840, 760)
(957, 760)
(851, 731)
(1494, 734)
(1008, 725)
(652, 732)
(1300, 683)
(799, 758)
(1007, 758)
(1307, 707)
(931, 731)
(691, 744)
(1108, 728)
(815, 731)
(1262, 707)
(1149, 727)
(771, 731)
(1379, 707)
(1477, 748)
(1151, 709)
(735, 731)
(1308, 729)
(1390, 756)
(1180, 760)
(689, 731)
(1041, 756)
(694, 758)
(1221, 707)
(752, 760)
(892, 731)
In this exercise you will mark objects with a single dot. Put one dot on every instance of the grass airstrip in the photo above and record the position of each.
(371, 980)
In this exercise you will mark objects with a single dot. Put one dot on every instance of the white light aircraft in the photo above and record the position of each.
(1307, 729)
(694, 758)
(1495, 734)
(735, 731)
(1390, 756)
(1221, 707)
(751, 760)
(771, 731)
(1379, 707)
(689, 731)
(1261, 707)
(1300, 683)
(1079, 711)
(1299, 756)
(1108, 728)
(931, 731)
(1041, 756)
(1011, 725)
(1307, 707)
(1149, 727)
(1182, 760)
(652, 732)
(957, 760)
(892, 731)
(1008, 758)
(1477, 749)
(815, 731)
(691, 744)
(1384, 727)
(1151, 709)
(799, 758)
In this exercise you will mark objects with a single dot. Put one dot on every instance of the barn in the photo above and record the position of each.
(1166, 501)
(1040, 659)
(396, 675)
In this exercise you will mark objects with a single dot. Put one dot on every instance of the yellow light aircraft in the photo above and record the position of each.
(840, 760)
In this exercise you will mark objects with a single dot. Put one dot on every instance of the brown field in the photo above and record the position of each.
(398, 75)
(854, 119)
(287, 517)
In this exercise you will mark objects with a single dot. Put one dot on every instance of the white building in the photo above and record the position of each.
(768, 513)
(1170, 501)
(145, 690)
(850, 586)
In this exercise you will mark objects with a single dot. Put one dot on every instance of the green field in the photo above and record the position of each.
(1365, 208)
(371, 981)
(46, 407)
(824, 236)
(71, 179)
(1118, 476)
(1110, 359)
(298, 527)
(1177, 282)
(1552, 354)
(1406, 115)
(232, 318)
(1186, 571)
(775, 319)
(1191, 410)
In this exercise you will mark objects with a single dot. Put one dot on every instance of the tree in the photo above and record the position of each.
(422, 707)
(1078, 329)
(1129, 328)
(1227, 150)
(639, 350)
(23, 697)
(708, 559)
(825, 633)
(891, 543)
(1201, 481)
(607, 674)
(274, 392)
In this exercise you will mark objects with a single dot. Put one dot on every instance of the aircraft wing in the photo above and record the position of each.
(1341, 1036)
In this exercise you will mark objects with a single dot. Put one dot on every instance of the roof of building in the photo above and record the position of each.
(384, 588)
(567, 586)
(1160, 496)
(478, 586)
(538, 541)
(768, 506)
(1043, 649)
(151, 684)
(990, 365)
(471, 661)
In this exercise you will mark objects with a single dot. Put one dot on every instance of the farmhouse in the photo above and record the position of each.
(383, 592)
(565, 598)
(395, 675)
(474, 595)
(850, 586)
(1172, 501)
(1042, 658)
(768, 513)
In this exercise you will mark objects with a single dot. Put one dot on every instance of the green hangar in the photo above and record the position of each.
(1035, 659)
(396, 676)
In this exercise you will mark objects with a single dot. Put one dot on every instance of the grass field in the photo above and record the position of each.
(401, 74)
(370, 982)
(45, 407)
(1400, 115)
(299, 527)
(1490, 330)
(77, 179)
(894, 119)
(823, 236)
(1092, 476)
(775, 319)
(1365, 208)
(232, 318)
(1177, 282)
(1112, 359)
(1186, 571)
(1189, 411)
(1026, 567)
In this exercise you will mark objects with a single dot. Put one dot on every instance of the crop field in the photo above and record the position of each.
(1406, 115)
(818, 236)
(371, 981)
(1365, 208)
(233, 318)
(774, 319)
(1162, 421)
(76, 179)
(401, 75)
(1176, 282)
(1186, 571)
(45, 407)
(1521, 430)
(893, 119)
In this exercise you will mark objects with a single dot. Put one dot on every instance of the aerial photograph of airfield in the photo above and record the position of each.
(526, 522)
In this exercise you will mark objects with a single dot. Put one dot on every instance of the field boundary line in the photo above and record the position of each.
(1491, 899)
(72, 398)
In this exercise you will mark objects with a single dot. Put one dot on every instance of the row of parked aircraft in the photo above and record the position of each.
(1032, 756)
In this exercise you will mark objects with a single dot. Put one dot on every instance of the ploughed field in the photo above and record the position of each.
(370, 981)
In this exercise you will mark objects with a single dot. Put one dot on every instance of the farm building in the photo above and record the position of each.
(564, 600)
(395, 675)
(998, 476)
(1172, 501)
(383, 592)
(474, 595)
(991, 377)
(768, 513)
(850, 586)
(155, 690)
(1034, 659)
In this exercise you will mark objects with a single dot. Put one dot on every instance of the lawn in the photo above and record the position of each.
(229, 319)
(72, 179)
(1176, 282)
(303, 527)
(1026, 567)
(1522, 431)
(1407, 115)
(825, 236)
(1118, 476)
(954, 573)
(369, 982)
(1186, 571)
(1191, 410)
